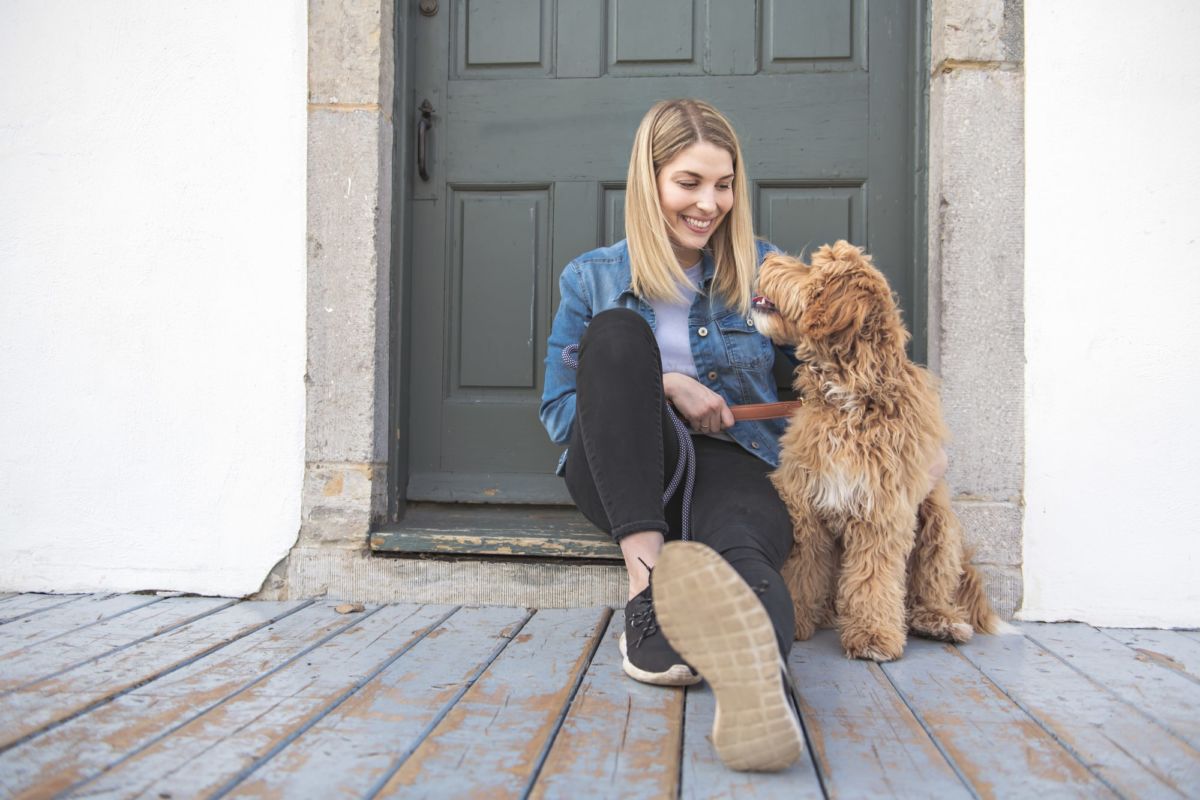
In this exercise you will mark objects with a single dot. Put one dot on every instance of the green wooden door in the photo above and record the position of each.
(534, 107)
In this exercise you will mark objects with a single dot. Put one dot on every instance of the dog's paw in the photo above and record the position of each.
(804, 630)
(940, 626)
(960, 632)
(873, 645)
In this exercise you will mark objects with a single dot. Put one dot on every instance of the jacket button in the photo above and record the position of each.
(703, 331)
(750, 321)
(712, 376)
(754, 445)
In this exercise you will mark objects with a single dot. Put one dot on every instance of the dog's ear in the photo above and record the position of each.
(835, 311)
(841, 250)
(853, 299)
(777, 260)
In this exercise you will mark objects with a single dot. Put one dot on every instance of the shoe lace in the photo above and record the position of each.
(642, 617)
(643, 620)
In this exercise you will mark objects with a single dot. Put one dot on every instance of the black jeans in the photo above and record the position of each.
(623, 451)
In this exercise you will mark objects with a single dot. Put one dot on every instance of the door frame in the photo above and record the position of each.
(969, 237)
(404, 116)
(404, 110)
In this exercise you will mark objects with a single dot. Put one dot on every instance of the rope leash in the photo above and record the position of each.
(685, 466)
(687, 451)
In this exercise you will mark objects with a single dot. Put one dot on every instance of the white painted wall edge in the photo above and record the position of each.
(1112, 518)
(152, 318)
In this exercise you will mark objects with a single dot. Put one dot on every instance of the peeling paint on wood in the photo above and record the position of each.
(385, 719)
(1171, 697)
(44, 702)
(63, 619)
(704, 776)
(23, 605)
(493, 737)
(24, 666)
(995, 745)
(1133, 754)
(620, 737)
(473, 708)
(496, 530)
(1171, 649)
(866, 739)
(496, 543)
(54, 761)
(203, 755)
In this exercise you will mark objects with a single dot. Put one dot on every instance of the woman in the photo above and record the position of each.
(662, 322)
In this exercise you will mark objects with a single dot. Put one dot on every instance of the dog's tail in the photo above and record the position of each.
(940, 528)
(972, 599)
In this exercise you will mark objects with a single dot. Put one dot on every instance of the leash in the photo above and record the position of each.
(687, 451)
(749, 411)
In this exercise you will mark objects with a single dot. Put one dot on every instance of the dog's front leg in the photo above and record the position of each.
(870, 598)
(809, 573)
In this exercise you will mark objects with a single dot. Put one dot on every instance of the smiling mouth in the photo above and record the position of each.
(761, 303)
(698, 225)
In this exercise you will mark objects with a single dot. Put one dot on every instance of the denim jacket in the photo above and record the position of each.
(732, 358)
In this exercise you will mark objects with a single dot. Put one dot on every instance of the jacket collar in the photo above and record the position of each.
(707, 274)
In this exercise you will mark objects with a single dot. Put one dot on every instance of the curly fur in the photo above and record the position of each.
(876, 551)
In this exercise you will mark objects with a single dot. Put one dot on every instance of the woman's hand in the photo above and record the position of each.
(704, 409)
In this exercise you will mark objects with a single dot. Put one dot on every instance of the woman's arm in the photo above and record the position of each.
(557, 410)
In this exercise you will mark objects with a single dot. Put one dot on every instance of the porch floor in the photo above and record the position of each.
(139, 695)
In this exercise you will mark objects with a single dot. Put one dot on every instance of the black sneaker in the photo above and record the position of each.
(646, 654)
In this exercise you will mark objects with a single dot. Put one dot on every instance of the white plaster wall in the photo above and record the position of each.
(152, 292)
(1112, 521)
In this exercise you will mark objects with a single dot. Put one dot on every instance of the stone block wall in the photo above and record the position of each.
(976, 271)
(351, 64)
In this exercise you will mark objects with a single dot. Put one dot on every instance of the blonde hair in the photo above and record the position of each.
(668, 128)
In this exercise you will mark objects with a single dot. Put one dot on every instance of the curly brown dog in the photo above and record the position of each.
(854, 467)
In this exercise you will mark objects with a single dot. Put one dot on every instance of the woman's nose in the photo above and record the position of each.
(706, 203)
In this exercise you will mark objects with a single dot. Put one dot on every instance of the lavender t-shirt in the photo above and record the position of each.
(671, 327)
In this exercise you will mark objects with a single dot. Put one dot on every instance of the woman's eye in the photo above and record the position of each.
(724, 187)
(688, 185)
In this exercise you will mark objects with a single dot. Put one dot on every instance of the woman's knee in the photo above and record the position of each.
(617, 319)
(617, 337)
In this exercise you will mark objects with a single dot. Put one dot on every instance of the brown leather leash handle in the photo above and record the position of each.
(750, 411)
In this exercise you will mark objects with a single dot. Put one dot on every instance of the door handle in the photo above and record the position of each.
(423, 126)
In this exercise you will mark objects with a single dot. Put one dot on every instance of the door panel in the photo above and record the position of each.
(535, 106)
(814, 35)
(500, 247)
(800, 218)
(503, 38)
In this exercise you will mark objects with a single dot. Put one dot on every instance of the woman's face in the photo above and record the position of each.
(695, 190)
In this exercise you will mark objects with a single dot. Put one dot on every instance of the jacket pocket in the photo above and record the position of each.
(744, 345)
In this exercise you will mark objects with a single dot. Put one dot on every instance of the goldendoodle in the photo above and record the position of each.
(854, 468)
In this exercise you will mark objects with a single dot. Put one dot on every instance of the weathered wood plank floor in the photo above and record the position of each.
(141, 696)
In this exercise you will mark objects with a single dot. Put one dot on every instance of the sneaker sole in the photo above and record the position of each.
(719, 626)
(678, 675)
